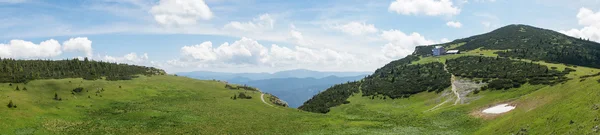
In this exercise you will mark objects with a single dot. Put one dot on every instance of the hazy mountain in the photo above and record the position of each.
(296, 91)
(245, 77)
(292, 86)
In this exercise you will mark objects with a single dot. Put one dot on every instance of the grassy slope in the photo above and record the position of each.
(145, 105)
(540, 109)
(178, 105)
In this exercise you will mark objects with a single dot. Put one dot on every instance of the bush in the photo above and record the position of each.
(11, 104)
(505, 73)
(78, 89)
(56, 97)
(244, 96)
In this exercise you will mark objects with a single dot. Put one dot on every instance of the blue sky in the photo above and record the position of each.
(267, 35)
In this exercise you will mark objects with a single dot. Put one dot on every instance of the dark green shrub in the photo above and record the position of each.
(78, 89)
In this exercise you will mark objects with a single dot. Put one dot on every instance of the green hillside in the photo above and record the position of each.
(550, 97)
(144, 105)
(419, 94)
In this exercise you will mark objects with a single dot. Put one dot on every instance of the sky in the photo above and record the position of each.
(267, 35)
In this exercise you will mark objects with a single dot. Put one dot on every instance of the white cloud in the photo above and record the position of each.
(79, 44)
(401, 44)
(26, 49)
(263, 22)
(202, 52)
(248, 53)
(356, 28)
(427, 7)
(454, 24)
(180, 12)
(299, 39)
(244, 51)
(131, 58)
(591, 23)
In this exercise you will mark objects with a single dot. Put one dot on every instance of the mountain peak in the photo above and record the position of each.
(528, 42)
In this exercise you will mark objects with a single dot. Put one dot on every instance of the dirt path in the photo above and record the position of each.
(262, 97)
(435, 107)
(455, 91)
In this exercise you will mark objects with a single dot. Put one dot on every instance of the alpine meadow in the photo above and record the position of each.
(300, 67)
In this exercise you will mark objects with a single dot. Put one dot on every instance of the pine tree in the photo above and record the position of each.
(55, 96)
(24, 88)
(17, 88)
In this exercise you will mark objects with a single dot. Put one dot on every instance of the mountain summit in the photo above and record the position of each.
(528, 42)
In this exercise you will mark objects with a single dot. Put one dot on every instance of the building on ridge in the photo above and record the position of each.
(438, 51)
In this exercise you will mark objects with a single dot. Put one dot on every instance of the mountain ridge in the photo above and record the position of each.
(511, 41)
(296, 73)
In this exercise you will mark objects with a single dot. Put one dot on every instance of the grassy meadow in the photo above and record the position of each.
(179, 105)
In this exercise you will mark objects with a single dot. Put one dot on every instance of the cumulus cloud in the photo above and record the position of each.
(79, 44)
(454, 24)
(591, 22)
(131, 58)
(27, 49)
(297, 37)
(356, 28)
(180, 12)
(427, 7)
(247, 51)
(244, 51)
(263, 22)
(401, 44)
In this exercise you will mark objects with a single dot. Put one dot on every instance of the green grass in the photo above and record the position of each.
(179, 105)
(145, 105)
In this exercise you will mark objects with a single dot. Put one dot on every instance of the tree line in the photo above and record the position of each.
(22, 71)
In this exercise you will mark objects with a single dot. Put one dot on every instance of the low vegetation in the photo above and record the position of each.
(275, 100)
(244, 87)
(504, 73)
(242, 95)
(331, 97)
(405, 80)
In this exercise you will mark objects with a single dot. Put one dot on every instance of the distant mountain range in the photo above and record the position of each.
(295, 91)
(245, 77)
(292, 86)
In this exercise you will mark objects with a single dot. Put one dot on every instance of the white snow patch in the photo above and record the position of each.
(502, 108)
